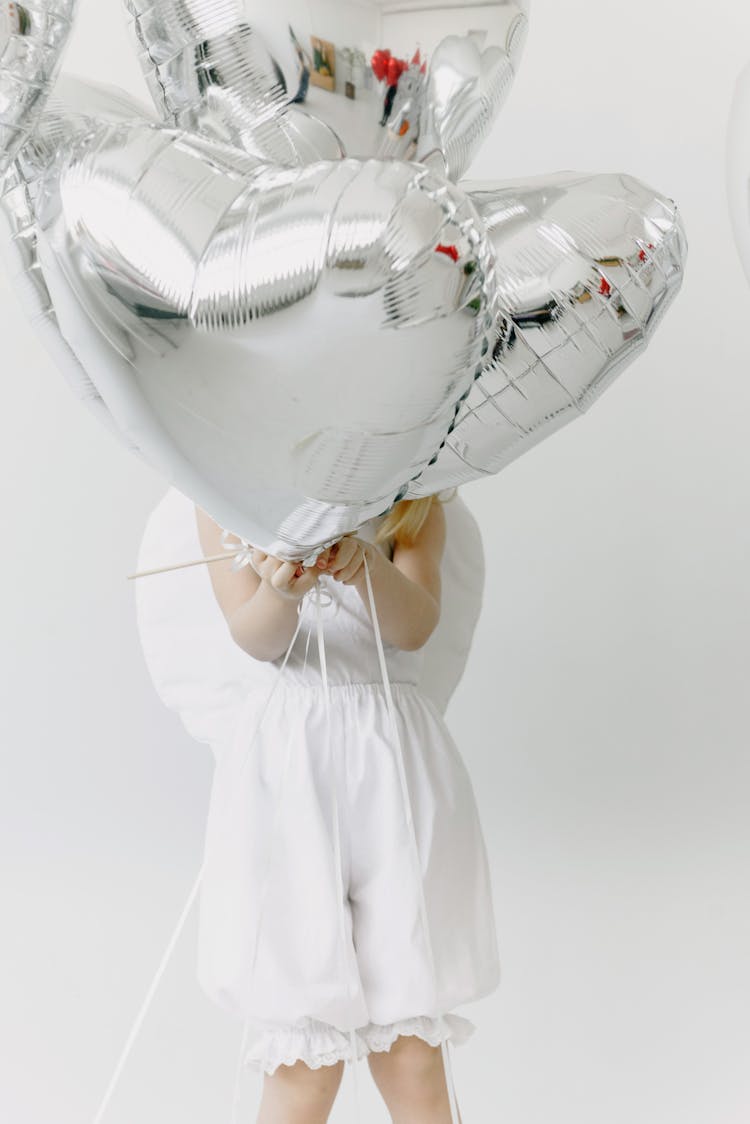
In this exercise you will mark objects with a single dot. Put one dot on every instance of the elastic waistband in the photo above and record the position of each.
(351, 685)
(283, 685)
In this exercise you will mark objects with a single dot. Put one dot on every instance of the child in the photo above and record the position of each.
(269, 939)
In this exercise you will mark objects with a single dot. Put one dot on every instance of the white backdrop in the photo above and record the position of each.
(610, 667)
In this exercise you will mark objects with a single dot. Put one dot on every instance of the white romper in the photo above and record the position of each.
(270, 944)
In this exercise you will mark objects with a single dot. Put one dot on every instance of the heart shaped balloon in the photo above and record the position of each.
(277, 294)
(590, 264)
(145, 253)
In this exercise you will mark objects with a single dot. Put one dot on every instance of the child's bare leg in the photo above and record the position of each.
(297, 1094)
(411, 1080)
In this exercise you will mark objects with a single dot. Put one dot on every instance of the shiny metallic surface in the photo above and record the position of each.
(293, 336)
(209, 70)
(586, 267)
(19, 242)
(32, 37)
(229, 69)
(69, 114)
(466, 84)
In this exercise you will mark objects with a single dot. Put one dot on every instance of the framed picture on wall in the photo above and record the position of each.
(17, 20)
(324, 63)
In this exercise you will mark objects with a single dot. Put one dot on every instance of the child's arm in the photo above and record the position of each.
(407, 589)
(261, 611)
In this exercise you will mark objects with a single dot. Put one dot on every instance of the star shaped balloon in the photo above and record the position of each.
(277, 289)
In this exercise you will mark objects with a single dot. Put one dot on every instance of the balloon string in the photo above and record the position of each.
(320, 598)
(343, 945)
(147, 1001)
(238, 1075)
(455, 1119)
(140, 1017)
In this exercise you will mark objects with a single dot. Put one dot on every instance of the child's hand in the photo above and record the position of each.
(290, 579)
(346, 558)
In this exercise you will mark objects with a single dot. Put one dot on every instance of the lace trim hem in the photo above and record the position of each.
(318, 1043)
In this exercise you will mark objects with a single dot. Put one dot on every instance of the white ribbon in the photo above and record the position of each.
(320, 597)
(243, 555)
(344, 947)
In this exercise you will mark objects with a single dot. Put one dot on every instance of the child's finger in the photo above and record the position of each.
(284, 575)
(307, 581)
(348, 572)
(347, 551)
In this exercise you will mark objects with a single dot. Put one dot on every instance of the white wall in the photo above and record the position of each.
(407, 27)
(603, 718)
(343, 23)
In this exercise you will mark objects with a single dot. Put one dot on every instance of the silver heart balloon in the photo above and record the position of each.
(200, 287)
(587, 265)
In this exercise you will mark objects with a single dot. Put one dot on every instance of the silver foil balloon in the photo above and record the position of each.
(202, 288)
(32, 38)
(232, 70)
(210, 71)
(465, 86)
(298, 342)
(71, 108)
(586, 265)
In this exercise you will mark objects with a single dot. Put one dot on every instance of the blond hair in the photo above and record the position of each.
(406, 518)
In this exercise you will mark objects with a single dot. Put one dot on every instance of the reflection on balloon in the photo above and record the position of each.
(276, 290)
(212, 358)
(586, 267)
(227, 70)
(32, 38)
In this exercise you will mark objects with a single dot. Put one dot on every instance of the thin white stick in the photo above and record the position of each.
(179, 565)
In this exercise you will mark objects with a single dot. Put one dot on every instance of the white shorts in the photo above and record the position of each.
(269, 858)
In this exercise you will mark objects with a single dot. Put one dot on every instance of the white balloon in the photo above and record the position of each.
(202, 675)
(738, 168)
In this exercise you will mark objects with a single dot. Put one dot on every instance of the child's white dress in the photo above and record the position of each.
(270, 944)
